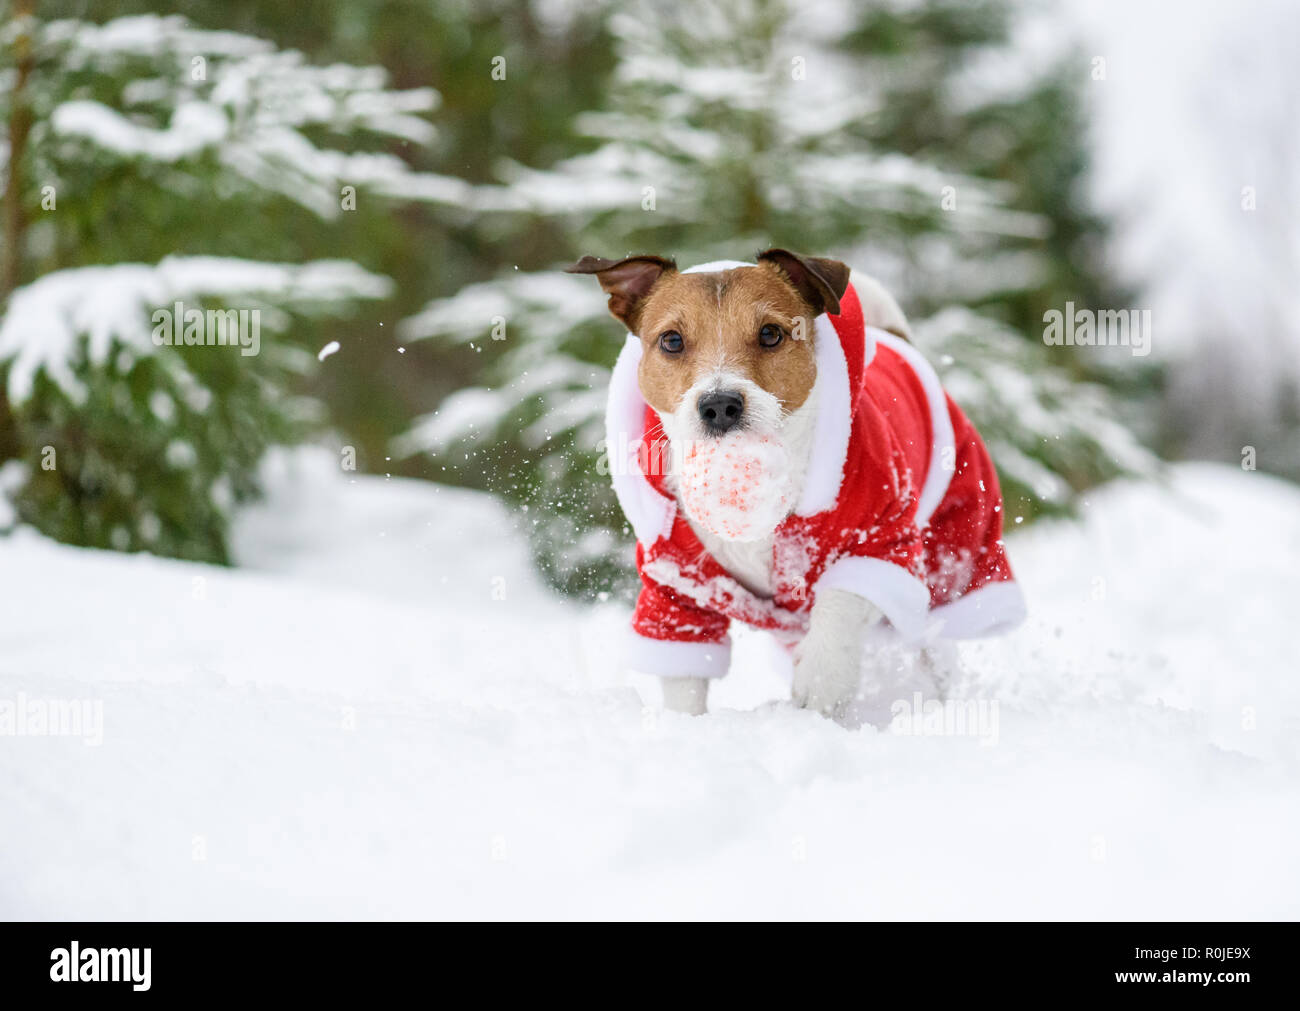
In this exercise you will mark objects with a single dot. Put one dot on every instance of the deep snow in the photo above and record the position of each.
(356, 725)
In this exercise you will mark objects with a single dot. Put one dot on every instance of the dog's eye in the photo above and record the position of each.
(671, 342)
(771, 335)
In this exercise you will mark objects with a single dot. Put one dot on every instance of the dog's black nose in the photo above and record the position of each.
(720, 411)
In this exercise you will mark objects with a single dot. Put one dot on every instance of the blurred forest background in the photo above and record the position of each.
(408, 178)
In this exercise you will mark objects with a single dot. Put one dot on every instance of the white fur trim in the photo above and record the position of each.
(833, 425)
(669, 659)
(939, 476)
(650, 512)
(900, 596)
(993, 609)
(717, 265)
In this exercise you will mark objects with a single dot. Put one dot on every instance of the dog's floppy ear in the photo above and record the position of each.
(627, 282)
(821, 282)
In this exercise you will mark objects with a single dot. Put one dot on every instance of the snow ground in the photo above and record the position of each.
(354, 726)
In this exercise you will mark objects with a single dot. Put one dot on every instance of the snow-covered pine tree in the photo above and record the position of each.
(734, 125)
(118, 442)
(128, 142)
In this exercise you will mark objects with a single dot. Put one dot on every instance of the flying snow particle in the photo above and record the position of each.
(327, 350)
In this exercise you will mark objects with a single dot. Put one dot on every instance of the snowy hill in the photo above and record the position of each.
(356, 724)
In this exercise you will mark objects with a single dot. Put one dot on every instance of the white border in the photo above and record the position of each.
(993, 609)
(668, 658)
(717, 265)
(943, 448)
(833, 425)
(650, 512)
(902, 597)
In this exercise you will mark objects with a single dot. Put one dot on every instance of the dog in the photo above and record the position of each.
(788, 459)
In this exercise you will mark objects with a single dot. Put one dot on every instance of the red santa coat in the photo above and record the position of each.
(900, 505)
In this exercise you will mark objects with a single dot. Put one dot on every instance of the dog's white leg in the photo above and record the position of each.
(686, 695)
(827, 663)
(937, 667)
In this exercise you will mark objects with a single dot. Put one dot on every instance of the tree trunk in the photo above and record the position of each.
(20, 123)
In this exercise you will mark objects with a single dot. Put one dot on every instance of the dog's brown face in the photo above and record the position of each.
(731, 349)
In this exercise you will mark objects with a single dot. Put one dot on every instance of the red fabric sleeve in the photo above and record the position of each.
(963, 542)
(883, 489)
(663, 613)
(878, 546)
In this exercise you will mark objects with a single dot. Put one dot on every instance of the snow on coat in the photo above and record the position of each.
(900, 505)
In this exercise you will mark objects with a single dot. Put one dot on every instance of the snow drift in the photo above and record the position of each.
(385, 715)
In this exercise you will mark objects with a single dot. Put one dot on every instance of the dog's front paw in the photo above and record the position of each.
(828, 662)
(825, 680)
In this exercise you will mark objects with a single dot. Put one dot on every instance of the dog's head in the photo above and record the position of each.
(725, 350)
(727, 356)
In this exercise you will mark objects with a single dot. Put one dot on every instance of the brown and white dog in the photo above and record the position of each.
(802, 490)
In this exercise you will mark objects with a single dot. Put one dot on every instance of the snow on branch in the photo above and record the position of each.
(545, 305)
(180, 95)
(534, 314)
(113, 305)
(1039, 421)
